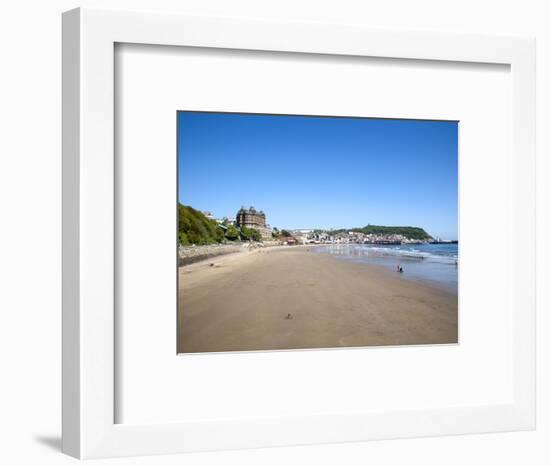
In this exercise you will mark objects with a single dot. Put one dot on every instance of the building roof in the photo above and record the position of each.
(251, 210)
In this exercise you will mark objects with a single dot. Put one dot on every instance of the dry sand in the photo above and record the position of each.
(241, 303)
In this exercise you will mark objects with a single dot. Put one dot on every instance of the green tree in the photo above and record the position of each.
(250, 234)
(195, 228)
(255, 234)
(183, 238)
(232, 233)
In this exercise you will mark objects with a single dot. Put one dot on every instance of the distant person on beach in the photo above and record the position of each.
(400, 269)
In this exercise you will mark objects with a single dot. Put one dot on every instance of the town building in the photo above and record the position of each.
(251, 218)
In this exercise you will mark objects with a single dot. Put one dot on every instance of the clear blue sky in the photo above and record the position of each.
(319, 172)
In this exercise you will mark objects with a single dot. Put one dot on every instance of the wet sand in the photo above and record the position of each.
(242, 302)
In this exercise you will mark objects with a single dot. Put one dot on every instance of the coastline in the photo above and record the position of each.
(241, 302)
(420, 263)
(188, 255)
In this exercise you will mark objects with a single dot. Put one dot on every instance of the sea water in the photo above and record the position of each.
(436, 263)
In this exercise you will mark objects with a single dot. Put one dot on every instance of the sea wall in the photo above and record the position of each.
(190, 254)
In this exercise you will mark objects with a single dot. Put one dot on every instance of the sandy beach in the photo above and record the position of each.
(242, 303)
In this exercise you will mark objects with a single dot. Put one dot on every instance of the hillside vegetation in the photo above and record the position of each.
(414, 233)
(408, 232)
(195, 228)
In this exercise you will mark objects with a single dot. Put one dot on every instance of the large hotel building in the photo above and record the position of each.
(251, 218)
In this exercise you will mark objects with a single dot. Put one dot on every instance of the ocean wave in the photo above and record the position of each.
(402, 252)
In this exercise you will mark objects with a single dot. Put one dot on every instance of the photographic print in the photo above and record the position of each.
(304, 232)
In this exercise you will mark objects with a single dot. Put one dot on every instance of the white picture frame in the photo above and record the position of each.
(89, 38)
